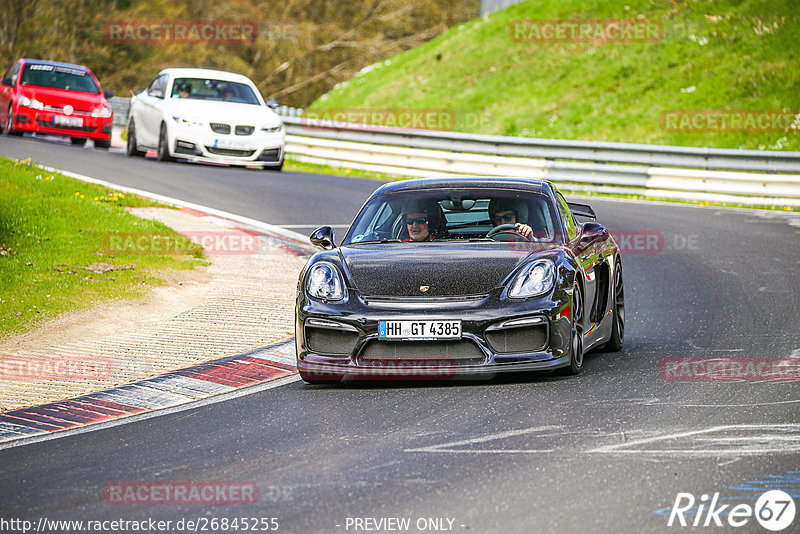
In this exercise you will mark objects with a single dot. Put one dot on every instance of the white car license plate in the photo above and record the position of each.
(419, 329)
(225, 143)
(61, 120)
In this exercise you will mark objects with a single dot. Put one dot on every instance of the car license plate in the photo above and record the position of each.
(61, 120)
(419, 329)
(224, 143)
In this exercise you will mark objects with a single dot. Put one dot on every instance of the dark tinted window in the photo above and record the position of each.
(566, 216)
(11, 76)
(210, 89)
(453, 215)
(59, 77)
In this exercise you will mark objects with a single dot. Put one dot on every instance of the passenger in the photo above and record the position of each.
(509, 211)
(421, 220)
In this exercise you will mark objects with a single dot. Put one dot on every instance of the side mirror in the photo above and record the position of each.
(272, 103)
(108, 93)
(323, 238)
(5, 81)
(592, 232)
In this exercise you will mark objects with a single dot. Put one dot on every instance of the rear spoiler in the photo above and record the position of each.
(582, 210)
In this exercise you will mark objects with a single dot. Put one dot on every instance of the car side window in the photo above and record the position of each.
(10, 77)
(156, 88)
(566, 217)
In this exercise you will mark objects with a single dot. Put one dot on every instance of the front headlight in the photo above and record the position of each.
(101, 112)
(272, 129)
(30, 103)
(325, 282)
(535, 279)
(186, 122)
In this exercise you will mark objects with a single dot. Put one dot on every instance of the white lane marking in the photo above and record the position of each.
(756, 444)
(271, 228)
(448, 447)
(313, 225)
(221, 397)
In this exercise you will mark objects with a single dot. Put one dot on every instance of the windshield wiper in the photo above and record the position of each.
(385, 240)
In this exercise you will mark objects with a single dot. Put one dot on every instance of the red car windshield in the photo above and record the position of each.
(59, 77)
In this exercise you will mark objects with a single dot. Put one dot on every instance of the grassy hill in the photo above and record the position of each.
(721, 55)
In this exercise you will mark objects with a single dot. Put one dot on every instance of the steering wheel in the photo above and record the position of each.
(506, 232)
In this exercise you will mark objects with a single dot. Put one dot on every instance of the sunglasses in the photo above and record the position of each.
(418, 220)
(504, 218)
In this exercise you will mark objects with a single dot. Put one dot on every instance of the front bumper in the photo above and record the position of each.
(351, 349)
(42, 121)
(197, 144)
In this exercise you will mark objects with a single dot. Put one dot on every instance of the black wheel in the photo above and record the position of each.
(618, 325)
(276, 169)
(9, 128)
(130, 148)
(104, 144)
(163, 142)
(576, 337)
(78, 141)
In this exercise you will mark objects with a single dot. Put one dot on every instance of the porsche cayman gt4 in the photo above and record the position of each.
(459, 277)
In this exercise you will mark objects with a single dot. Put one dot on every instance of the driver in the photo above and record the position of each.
(184, 91)
(509, 211)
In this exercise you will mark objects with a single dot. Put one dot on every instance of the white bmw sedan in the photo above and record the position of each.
(205, 116)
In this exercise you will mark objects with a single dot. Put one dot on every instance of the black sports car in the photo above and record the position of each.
(456, 277)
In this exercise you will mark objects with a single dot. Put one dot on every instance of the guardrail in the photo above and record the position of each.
(752, 177)
(648, 170)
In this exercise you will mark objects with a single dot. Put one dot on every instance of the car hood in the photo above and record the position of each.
(59, 98)
(225, 112)
(402, 269)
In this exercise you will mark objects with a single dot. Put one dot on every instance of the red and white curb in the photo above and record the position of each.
(183, 386)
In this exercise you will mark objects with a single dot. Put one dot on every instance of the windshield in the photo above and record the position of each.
(59, 77)
(450, 215)
(210, 89)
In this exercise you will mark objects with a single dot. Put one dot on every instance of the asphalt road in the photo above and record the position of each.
(607, 451)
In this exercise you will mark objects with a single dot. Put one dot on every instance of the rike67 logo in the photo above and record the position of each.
(774, 510)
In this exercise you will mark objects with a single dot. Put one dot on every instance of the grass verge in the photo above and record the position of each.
(737, 55)
(54, 257)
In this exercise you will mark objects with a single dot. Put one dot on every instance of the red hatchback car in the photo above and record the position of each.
(55, 98)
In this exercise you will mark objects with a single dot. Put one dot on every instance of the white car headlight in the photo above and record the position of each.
(325, 282)
(30, 103)
(272, 129)
(186, 122)
(101, 112)
(535, 279)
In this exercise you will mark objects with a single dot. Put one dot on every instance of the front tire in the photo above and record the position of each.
(10, 122)
(163, 145)
(78, 141)
(276, 169)
(130, 148)
(576, 336)
(103, 144)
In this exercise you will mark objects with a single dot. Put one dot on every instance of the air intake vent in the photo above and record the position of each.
(220, 128)
(518, 340)
(329, 341)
